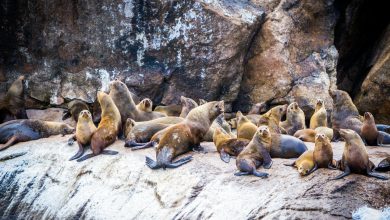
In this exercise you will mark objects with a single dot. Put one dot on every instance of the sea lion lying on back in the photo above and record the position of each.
(74, 109)
(370, 133)
(22, 130)
(182, 137)
(12, 104)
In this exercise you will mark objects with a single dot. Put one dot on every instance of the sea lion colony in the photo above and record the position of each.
(177, 129)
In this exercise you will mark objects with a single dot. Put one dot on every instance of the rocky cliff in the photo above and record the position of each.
(240, 51)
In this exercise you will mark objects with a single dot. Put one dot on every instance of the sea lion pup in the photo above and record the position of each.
(74, 109)
(384, 165)
(187, 104)
(228, 146)
(181, 138)
(307, 135)
(325, 130)
(145, 105)
(345, 114)
(13, 102)
(305, 163)
(245, 128)
(258, 108)
(84, 130)
(355, 158)
(108, 128)
(320, 116)
(169, 110)
(370, 133)
(122, 98)
(295, 119)
(255, 154)
(22, 130)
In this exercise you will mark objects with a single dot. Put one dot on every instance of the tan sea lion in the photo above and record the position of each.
(228, 146)
(323, 153)
(169, 110)
(74, 109)
(370, 133)
(345, 114)
(108, 128)
(272, 119)
(320, 116)
(84, 131)
(255, 154)
(182, 137)
(187, 104)
(219, 122)
(21, 130)
(307, 135)
(145, 105)
(245, 128)
(305, 163)
(355, 157)
(295, 119)
(12, 104)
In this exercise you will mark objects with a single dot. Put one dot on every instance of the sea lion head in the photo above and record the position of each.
(320, 137)
(147, 104)
(293, 107)
(348, 134)
(340, 97)
(216, 108)
(85, 115)
(279, 111)
(263, 131)
(369, 118)
(188, 102)
(118, 86)
(304, 168)
(130, 123)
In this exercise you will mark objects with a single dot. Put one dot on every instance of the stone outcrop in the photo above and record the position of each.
(42, 183)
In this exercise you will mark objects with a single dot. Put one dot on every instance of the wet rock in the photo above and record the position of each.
(44, 184)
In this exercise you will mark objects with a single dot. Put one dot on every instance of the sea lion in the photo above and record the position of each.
(84, 130)
(219, 122)
(245, 128)
(169, 110)
(355, 157)
(320, 116)
(108, 127)
(12, 104)
(22, 130)
(123, 100)
(145, 105)
(325, 130)
(272, 119)
(258, 108)
(307, 135)
(345, 114)
(323, 153)
(74, 109)
(384, 165)
(286, 146)
(305, 163)
(382, 127)
(187, 104)
(228, 146)
(182, 137)
(202, 101)
(233, 123)
(255, 154)
(370, 133)
(295, 119)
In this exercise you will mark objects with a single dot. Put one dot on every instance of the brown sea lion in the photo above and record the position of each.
(320, 116)
(325, 130)
(345, 114)
(187, 104)
(323, 153)
(74, 109)
(355, 157)
(84, 131)
(295, 119)
(220, 123)
(122, 98)
(169, 110)
(108, 128)
(307, 135)
(12, 104)
(182, 137)
(228, 146)
(255, 154)
(258, 108)
(370, 133)
(22, 130)
(145, 105)
(272, 119)
(305, 163)
(245, 128)
(384, 165)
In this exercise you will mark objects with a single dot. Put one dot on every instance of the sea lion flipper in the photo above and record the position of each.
(10, 142)
(79, 153)
(147, 145)
(180, 162)
(133, 143)
(267, 160)
(347, 171)
(109, 152)
(332, 165)
(260, 174)
(71, 140)
(151, 163)
(312, 170)
(85, 157)
(241, 173)
(377, 176)
(290, 164)
(225, 157)
(66, 115)
(198, 149)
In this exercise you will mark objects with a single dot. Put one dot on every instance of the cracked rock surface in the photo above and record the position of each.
(43, 184)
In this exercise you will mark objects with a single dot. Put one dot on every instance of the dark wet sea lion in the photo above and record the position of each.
(22, 130)
(370, 133)
(12, 104)
(384, 165)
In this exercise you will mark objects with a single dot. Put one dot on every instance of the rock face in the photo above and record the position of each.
(43, 184)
